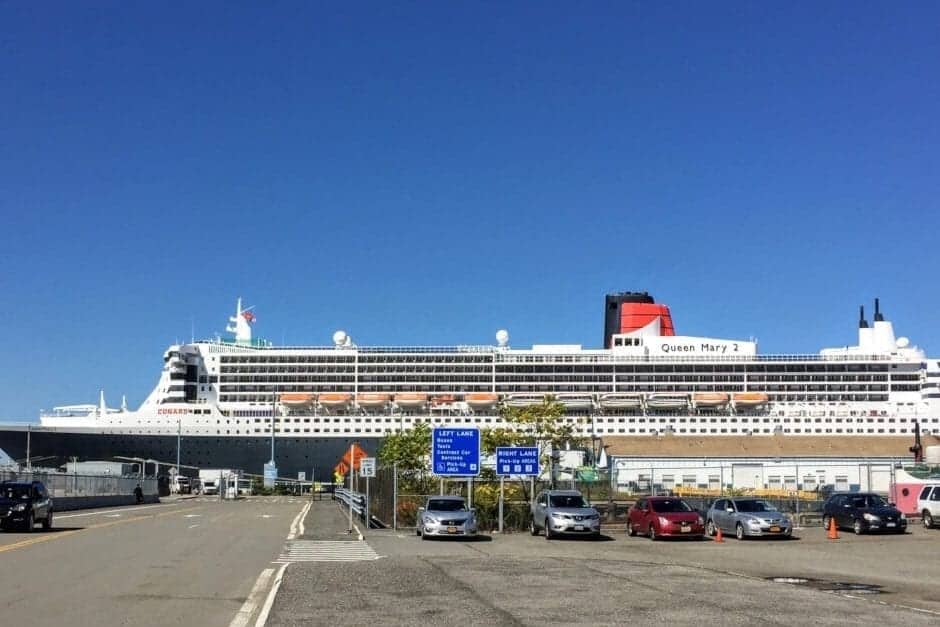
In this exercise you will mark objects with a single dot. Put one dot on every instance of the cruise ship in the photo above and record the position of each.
(222, 401)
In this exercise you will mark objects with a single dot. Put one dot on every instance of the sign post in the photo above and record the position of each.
(521, 461)
(367, 470)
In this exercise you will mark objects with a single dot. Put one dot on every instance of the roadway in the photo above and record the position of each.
(187, 562)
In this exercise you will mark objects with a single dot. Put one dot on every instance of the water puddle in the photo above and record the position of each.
(842, 587)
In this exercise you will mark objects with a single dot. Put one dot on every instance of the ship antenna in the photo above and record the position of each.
(862, 323)
(878, 316)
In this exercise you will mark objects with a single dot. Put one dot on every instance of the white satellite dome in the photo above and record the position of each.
(339, 338)
(502, 337)
(903, 342)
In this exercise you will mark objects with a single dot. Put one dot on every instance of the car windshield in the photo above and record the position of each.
(670, 505)
(868, 500)
(446, 505)
(14, 491)
(755, 506)
(567, 500)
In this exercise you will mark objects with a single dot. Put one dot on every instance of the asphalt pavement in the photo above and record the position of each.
(517, 579)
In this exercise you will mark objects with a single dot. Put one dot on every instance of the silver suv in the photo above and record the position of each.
(564, 512)
(928, 504)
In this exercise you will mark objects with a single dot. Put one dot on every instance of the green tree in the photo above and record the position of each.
(410, 449)
(544, 425)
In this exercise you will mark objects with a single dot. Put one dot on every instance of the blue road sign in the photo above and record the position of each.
(455, 452)
(517, 460)
(270, 474)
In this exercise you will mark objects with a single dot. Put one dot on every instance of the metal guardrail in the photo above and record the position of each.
(354, 500)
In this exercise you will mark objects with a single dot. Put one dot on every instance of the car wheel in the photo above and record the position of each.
(532, 528)
(548, 531)
(30, 522)
(596, 535)
(927, 519)
(652, 534)
(423, 537)
(631, 529)
(710, 528)
(418, 530)
(47, 523)
(827, 521)
(739, 531)
(857, 528)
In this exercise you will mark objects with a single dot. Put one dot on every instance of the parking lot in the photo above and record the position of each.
(518, 579)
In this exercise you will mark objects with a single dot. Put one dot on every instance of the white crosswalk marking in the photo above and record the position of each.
(327, 551)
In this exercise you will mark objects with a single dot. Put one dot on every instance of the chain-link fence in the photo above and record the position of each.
(62, 485)
(798, 489)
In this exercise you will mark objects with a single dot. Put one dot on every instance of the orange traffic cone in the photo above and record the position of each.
(833, 531)
(718, 536)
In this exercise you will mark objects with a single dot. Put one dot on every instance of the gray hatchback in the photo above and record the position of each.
(564, 512)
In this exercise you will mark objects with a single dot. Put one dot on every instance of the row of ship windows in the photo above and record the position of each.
(450, 375)
(507, 370)
(601, 431)
(548, 373)
(775, 398)
(588, 364)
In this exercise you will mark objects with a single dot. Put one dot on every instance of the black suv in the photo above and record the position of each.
(24, 504)
(863, 512)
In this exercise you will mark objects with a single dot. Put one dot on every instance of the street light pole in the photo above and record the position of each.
(179, 438)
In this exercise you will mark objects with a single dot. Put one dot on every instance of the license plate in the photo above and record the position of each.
(579, 527)
(685, 529)
(892, 525)
(452, 530)
(775, 529)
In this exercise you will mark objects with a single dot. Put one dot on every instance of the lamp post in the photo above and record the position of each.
(179, 439)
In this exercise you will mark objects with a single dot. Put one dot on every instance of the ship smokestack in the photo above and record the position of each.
(878, 316)
(862, 323)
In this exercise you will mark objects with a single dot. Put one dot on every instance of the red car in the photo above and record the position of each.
(665, 517)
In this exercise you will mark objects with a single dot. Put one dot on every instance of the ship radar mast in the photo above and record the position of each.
(241, 323)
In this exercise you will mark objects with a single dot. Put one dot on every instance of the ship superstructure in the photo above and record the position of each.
(229, 395)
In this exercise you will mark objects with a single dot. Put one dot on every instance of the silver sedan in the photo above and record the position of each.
(446, 516)
(747, 517)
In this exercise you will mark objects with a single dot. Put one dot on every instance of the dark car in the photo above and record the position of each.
(24, 504)
(863, 512)
(665, 516)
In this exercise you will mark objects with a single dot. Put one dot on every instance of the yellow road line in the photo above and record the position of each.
(64, 534)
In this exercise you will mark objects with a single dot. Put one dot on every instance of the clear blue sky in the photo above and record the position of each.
(426, 173)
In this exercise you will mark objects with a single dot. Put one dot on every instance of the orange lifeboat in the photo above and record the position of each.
(373, 399)
(710, 399)
(443, 399)
(297, 399)
(750, 399)
(411, 399)
(335, 399)
(483, 399)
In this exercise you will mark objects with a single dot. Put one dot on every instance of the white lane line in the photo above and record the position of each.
(109, 516)
(111, 511)
(248, 607)
(358, 530)
(194, 526)
(269, 602)
(303, 518)
(296, 521)
(192, 516)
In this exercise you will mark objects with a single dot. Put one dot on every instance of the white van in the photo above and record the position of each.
(928, 504)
